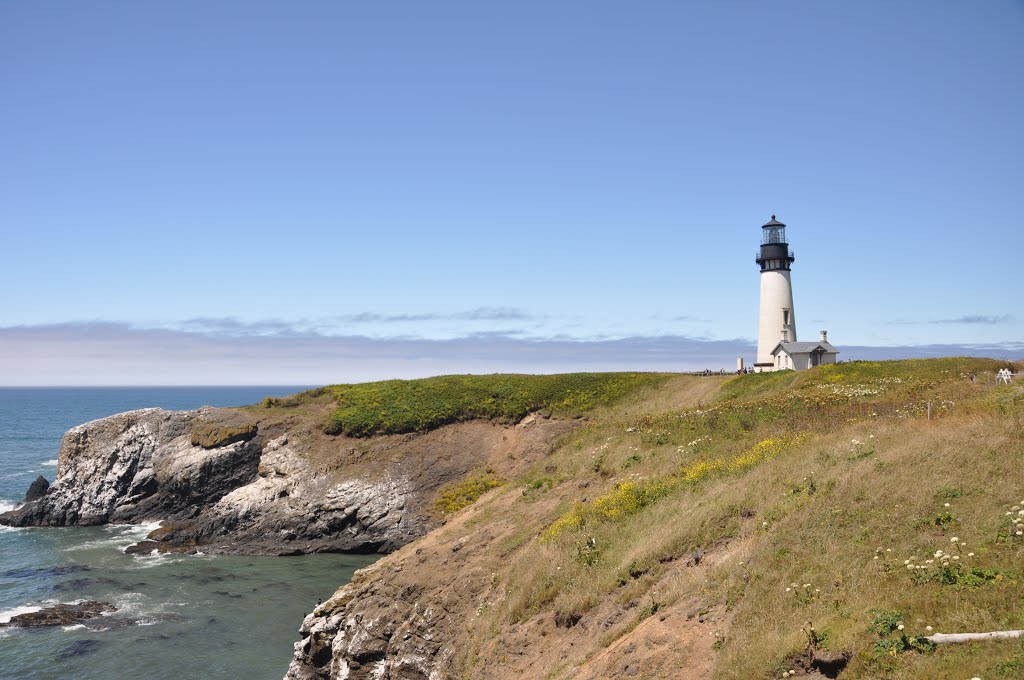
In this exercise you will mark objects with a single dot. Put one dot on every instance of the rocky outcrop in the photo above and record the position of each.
(235, 481)
(60, 614)
(289, 508)
(138, 466)
(374, 627)
(406, 616)
(223, 481)
(37, 489)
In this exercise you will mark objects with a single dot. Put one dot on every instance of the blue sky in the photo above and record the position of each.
(364, 190)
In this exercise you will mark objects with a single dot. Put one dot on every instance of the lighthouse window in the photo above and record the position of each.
(785, 316)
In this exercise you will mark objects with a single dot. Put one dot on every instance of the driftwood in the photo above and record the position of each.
(948, 638)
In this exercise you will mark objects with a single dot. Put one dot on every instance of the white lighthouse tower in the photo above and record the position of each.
(777, 321)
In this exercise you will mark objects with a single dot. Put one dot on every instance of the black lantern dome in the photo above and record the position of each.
(775, 252)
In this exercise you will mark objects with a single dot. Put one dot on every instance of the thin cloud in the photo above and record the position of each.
(495, 314)
(977, 319)
(1010, 351)
(109, 353)
(333, 325)
(233, 326)
(477, 314)
(373, 317)
(104, 353)
(329, 326)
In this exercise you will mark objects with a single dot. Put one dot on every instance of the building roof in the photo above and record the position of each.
(774, 223)
(792, 348)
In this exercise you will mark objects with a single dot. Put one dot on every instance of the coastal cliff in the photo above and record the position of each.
(231, 481)
(756, 527)
(686, 527)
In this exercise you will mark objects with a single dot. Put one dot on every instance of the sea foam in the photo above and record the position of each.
(7, 614)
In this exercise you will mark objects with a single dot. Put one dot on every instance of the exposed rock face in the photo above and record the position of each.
(222, 481)
(37, 489)
(406, 616)
(374, 628)
(137, 466)
(288, 508)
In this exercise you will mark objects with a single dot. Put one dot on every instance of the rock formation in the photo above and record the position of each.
(37, 489)
(60, 614)
(225, 480)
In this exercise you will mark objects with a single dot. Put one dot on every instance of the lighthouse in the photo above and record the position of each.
(777, 321)
(777, 345)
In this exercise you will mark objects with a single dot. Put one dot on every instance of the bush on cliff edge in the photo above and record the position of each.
(398, 406)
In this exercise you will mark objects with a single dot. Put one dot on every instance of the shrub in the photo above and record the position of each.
(459, 495)
(398, 406)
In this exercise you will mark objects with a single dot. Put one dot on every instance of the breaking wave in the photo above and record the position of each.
(7, 614)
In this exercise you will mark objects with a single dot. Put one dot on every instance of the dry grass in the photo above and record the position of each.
(867, 479)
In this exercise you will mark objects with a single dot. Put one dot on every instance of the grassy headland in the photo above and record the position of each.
(820, 502)
(725, 527)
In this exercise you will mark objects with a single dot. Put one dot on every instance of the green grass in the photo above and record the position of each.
(399, 406)
(910, 374)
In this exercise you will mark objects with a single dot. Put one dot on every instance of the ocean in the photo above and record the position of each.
(179, 616)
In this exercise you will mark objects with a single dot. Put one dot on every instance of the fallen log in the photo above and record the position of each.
(948, 638)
